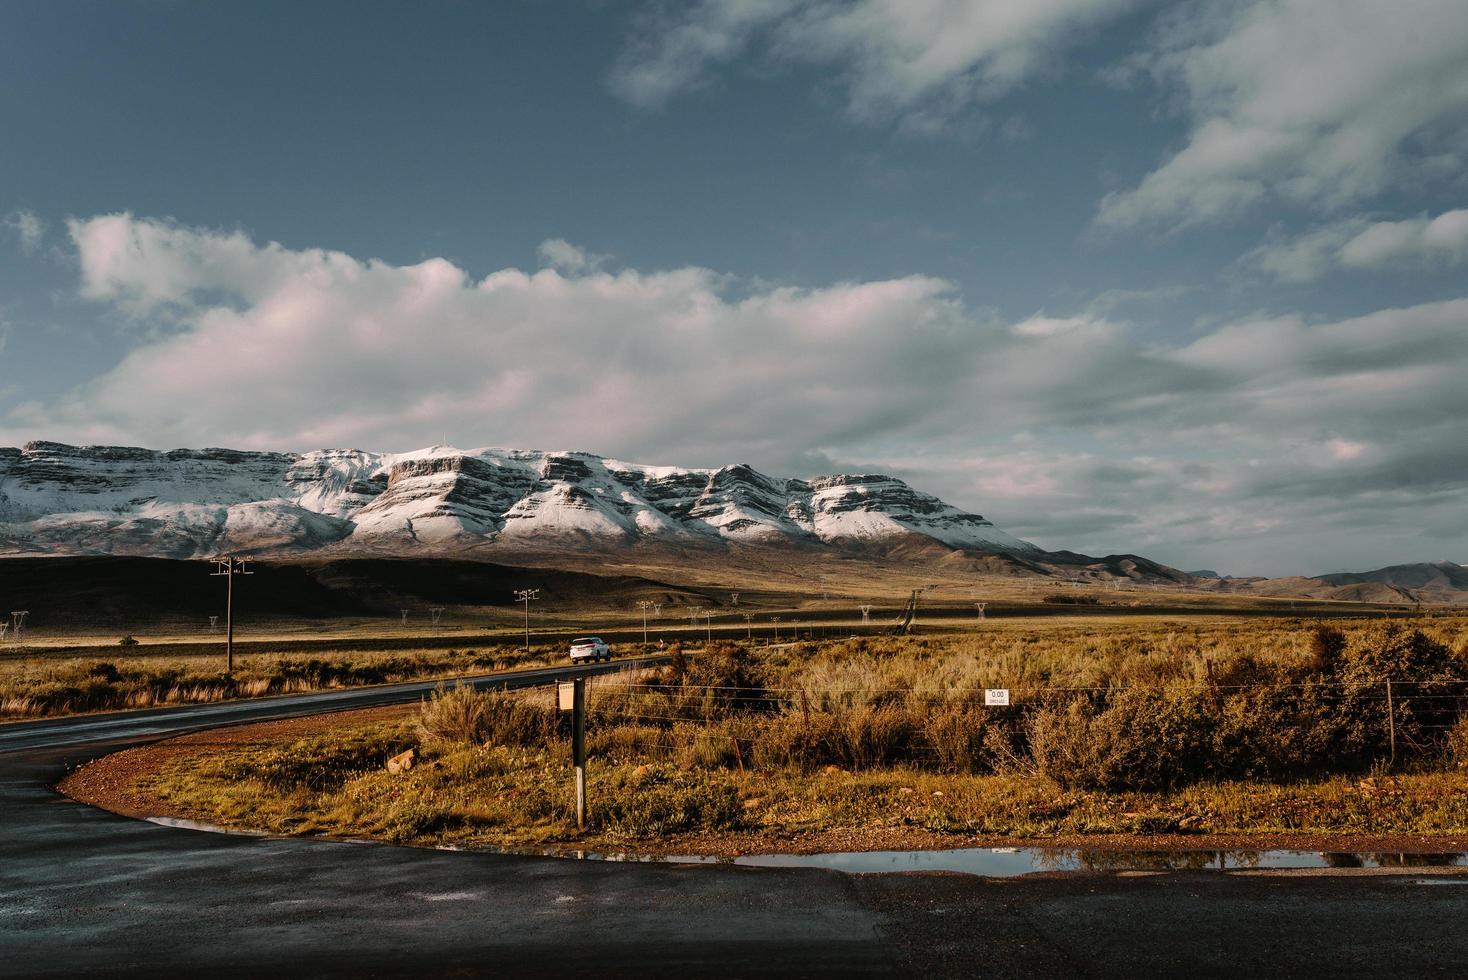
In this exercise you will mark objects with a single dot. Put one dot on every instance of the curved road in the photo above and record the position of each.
(85, 892)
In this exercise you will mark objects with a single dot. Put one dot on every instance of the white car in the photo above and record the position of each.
(588, 649)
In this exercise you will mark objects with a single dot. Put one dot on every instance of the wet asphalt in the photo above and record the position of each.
(84, 892)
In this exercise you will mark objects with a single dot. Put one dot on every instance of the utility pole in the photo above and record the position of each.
(866, 614)
(980, 607)
(527, 596)
(734, 598)
(776, 621)
(708, 622)
(230, 567)
(749, 626)
(17, 623)
(644, 605)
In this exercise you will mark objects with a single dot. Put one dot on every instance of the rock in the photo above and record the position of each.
(833, 770)
(403, 761)
(904, 791)
(753, 804)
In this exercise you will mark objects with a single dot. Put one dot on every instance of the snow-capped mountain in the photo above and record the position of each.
(63, 499)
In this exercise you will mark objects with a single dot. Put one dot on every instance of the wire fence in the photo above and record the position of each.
(753, 727)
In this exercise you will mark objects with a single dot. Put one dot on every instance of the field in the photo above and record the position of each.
(1203, 726)
(117, 633)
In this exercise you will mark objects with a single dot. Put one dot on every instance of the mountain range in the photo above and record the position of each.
(1436, 581)
(67, 500)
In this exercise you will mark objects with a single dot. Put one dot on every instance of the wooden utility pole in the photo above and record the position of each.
(644, 605)
(527, 596)
(229, 567)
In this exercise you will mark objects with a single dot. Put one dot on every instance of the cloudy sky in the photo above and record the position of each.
(1184, 279)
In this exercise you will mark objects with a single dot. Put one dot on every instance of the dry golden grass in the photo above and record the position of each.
(869, 734)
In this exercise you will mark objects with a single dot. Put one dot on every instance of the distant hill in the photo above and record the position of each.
(1444, 576)
(1429, 582)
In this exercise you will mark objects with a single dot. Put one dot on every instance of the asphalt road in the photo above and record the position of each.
(85, 892)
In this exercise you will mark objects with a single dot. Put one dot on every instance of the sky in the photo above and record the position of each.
(1188, 280)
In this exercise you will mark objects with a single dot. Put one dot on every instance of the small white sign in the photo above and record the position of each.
(566, 695)
(996, 697)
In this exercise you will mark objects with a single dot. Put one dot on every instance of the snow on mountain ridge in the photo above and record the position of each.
(67, 499)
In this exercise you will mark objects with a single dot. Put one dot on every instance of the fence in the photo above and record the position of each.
(1099, 735)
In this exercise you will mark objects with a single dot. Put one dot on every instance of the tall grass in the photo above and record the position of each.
(41, 687)
(1115, 709)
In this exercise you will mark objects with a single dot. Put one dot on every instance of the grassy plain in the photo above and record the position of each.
(1197, 726)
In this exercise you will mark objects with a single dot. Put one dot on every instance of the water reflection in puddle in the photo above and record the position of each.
(1003, 862)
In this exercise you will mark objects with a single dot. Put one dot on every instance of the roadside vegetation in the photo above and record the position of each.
(1220, 728)
(40, 687)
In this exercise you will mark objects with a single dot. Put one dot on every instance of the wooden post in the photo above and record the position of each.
(1391, 721)
(738, 756)
(578, 749)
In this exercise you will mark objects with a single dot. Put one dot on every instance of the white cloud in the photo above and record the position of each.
(1041, 325)
(1315, 103)
(558, 253)
(919, 59)
(1356, 243)
(28, 227)
(1247, 441)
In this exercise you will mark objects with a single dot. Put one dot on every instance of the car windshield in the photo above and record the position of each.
(583, 641)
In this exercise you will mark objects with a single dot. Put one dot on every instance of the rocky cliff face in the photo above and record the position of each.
(64, 499)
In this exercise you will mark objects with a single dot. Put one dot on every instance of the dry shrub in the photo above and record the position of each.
(452, 714)
(1141, 740)
(955, 733)
(459, 714)
(796, 738)
(875, 735)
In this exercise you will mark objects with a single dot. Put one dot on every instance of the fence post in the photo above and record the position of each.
(578, 750)
(1391, 722)
(572, 694)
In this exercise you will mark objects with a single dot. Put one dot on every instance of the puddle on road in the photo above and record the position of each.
(1003, 862)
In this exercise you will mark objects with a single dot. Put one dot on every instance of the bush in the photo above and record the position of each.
(105, 672)
(1428, 684)
(667, 802)
(956, 735)
(452, 714)
(459, 714)
(1142, 740)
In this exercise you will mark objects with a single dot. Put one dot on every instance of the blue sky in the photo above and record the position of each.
(1181, 279)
